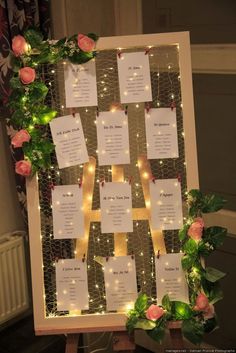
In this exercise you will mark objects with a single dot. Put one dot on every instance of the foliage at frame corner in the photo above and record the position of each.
(198, 317)
(30, 114)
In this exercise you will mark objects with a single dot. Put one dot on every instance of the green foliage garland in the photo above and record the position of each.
(27, 100)
(198, 317)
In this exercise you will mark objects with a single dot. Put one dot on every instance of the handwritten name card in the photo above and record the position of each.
(113, 138)
(170, 278)
(161, 133)
(68, 137)
(120, 283)
(68, 218)
(72, 285)
(116, 207)
(134, 77)
(80, 84)
(166, 204)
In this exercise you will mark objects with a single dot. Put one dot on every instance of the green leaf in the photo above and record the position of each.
(157, 334)
(212, 290)
(190, 247)
(213, 275)
(212, 203)
(45, 115)
(166, 303)
(181, 310)
(93, 36)
(34, 37)
(37, 91)
(131, 322)
(145, 324)
(141, 303)
(187, 262)
(215, 235)
(193, 331)
(210, 325)
(183, 232)
(80, 57)
(15, 83)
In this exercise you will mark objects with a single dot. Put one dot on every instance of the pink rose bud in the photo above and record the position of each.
(154, 312)
(20, 137)
(27, 75)
(202, 303)
(196, 229)
(209, 313)
(85, 43)
(19, 45)
(23, 167)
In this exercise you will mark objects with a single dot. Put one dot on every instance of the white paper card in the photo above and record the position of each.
(116, 207)
(120, 283)
(113, 138)
(170, 278)
(134, 77)
(166, 204)
(72, 285)
(68, 137)
(80, 85)
(161, 133)
(68, 217)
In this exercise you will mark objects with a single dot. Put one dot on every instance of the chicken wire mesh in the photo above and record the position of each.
(165, 79)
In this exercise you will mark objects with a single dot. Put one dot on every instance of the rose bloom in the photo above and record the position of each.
(85, 43)
(154, 312)
(196, 229)
(202, 303)
(23, 167)
(19, 45)
(27, 75)
(20, 137)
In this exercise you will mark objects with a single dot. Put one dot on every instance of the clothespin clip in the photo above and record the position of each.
(147, 106)
(102, 181)
(153, 179)
(51, 185)
(119, 53)
(130, 179)
(147, 50)
(84, 258)
(126, 109)
(107, 258)
(132, 255)
(172, 105)
(73, 112)
(80, 181)
(158, 254)
(97, 111)
(56, 259)
(179, 178)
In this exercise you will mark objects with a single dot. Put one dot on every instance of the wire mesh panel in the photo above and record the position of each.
(166, 93)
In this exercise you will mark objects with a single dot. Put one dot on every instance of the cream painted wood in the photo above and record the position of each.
(109, 322)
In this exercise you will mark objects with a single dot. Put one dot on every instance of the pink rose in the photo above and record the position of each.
(202, 302)
(209, 313)
(19, 45)
(196, 229)
(85, 43)
(27, 75)
(154, 312)
(23, 168)
(20, 137)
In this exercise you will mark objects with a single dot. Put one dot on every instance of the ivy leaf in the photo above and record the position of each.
(145, 324)
(38, 91)
(93, 36)
(212, 203)
(213, 275)
(34, 37)
(141, 303)
(131, 322)
(157, 334)
(193, 331)
(80, 57)
(45, 115)
(212, 290)
(210, 325)
(181, 310)
(203, 249)
(215, 235)
(187, 262)
(15, 83)
(183, 232)
(190, 247)
(166, 303)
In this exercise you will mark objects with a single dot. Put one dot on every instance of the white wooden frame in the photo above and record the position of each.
(110, 322)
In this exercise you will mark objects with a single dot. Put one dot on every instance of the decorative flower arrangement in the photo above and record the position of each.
(198, 317)
(29, 113)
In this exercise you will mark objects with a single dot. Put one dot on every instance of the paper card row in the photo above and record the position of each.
(120, 282)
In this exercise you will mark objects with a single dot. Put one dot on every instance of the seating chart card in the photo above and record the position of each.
(72, 285)
(166, 204)
(161, 133)
(116, 207)
(113, 138)
(170, 278)
(68, 217)
(134, 77)
(120, 283)
(80, 85)
(68, 136)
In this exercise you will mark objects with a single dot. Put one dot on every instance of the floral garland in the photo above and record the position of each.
(29, 113)
(198, 317)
